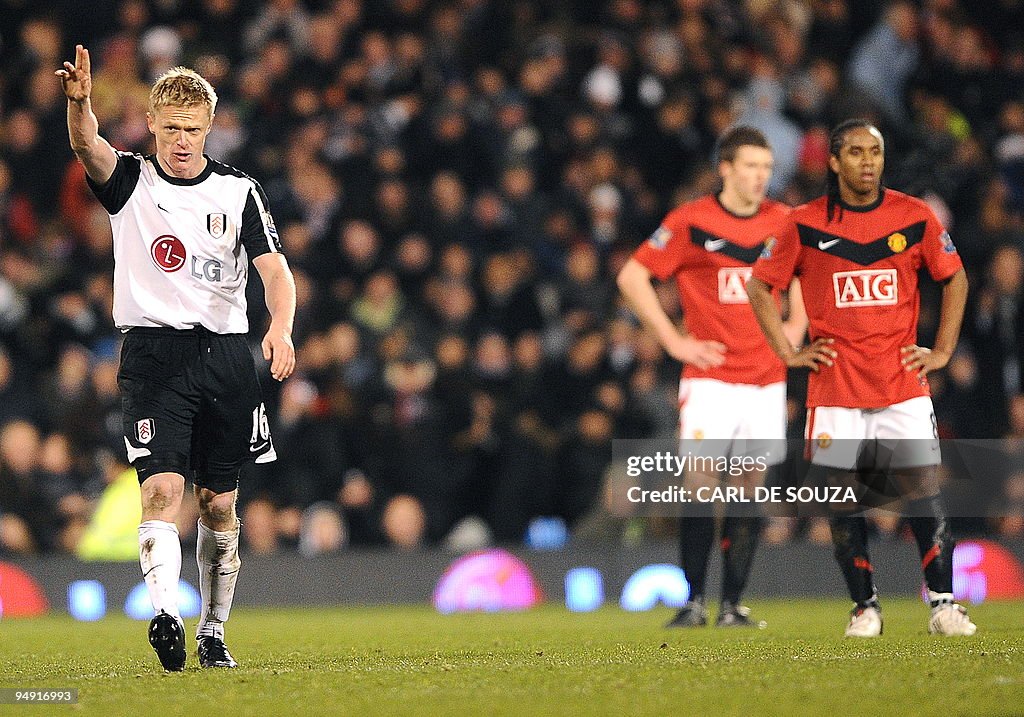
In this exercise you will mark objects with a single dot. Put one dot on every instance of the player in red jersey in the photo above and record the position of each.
(857, 252)
(732, 393)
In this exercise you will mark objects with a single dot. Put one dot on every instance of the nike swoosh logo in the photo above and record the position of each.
(823, 245)
(161, 208)
(714, 244)
(260, 447)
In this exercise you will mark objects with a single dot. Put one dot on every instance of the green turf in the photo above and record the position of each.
(545, 661)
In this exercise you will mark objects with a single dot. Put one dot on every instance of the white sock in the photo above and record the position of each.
(160, 558)
(217, 557)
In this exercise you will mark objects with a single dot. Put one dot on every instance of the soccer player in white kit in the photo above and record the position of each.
(185, 228)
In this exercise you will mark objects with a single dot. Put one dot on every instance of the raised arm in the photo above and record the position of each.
(635, 284)
(83, 128)
(279, 292)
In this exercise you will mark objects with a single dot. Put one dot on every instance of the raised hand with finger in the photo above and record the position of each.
(76, 80)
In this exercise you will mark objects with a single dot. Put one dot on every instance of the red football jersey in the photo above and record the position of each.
(711, 251)
(859, 277)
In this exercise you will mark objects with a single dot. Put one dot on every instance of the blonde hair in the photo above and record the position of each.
(182, 87)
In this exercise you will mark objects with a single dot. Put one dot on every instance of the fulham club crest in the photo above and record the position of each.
(217, 224)
(144, 430)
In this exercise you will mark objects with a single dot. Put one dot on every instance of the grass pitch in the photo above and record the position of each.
(546, 661)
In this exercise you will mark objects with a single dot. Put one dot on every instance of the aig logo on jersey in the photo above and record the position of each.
(217, 224)
(866, 287)
(732, 284)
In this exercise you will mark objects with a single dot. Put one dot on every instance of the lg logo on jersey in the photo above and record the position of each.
(208, 269)
(169, 254)
(867, 287)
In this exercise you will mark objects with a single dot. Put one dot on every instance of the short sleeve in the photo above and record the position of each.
(664, 252)
(938, 251)
(116, 191)
(259, 235)
(777, 263)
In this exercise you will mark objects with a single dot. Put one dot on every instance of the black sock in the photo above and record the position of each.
(696, 534)
(927, 520)
(740, 536)
(850, 541)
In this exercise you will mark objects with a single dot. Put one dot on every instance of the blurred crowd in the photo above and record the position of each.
(456, 183)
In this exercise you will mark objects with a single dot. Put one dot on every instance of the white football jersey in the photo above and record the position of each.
(182, 246)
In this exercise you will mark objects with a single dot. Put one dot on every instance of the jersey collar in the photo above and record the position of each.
(718, 200)
(866, 207)
(207, 171)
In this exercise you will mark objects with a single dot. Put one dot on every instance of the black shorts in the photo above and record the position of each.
(192, 405)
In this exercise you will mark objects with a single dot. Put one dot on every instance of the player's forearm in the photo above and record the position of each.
(769, 317)
(83, 127)
(954, 299)
(795, 324)
(83, 131)
(634, 282)
(794, 332)
(280, 298)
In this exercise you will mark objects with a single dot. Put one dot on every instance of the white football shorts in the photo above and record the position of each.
(903, 435)
(732, 419)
